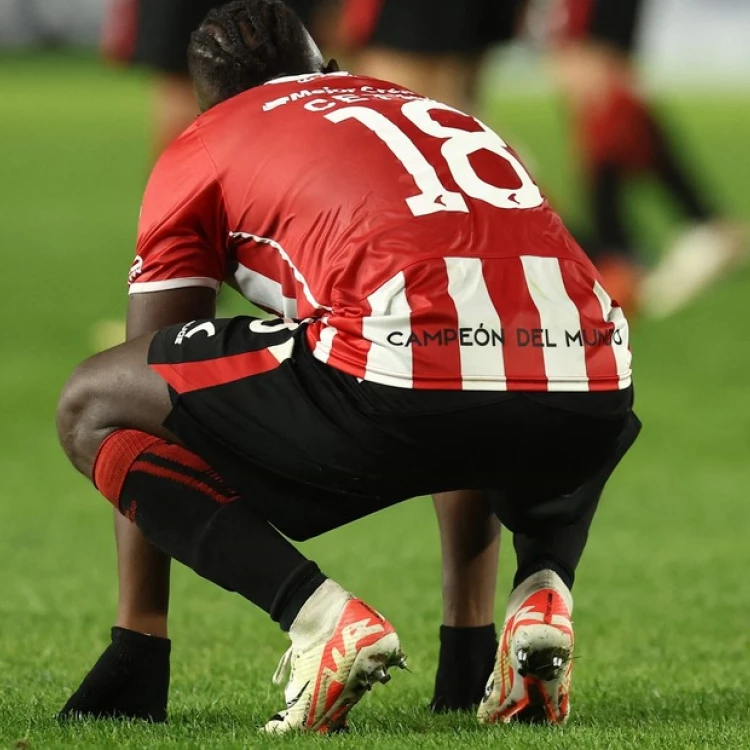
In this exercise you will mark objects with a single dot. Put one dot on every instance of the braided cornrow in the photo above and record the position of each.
(246, 43)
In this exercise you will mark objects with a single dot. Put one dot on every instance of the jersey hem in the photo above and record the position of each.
(479, 382)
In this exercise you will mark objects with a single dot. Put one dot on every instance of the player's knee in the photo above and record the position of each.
(82, 415)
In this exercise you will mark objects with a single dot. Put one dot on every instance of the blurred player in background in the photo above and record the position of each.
(154, 34)
(619, 136)
(436, 47)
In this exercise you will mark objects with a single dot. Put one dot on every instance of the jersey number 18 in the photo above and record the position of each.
(458, 146)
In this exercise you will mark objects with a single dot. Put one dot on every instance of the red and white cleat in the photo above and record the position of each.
(340, 648)
(699, 257)
(531, 678)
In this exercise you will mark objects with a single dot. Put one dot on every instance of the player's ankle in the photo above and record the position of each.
(545, 578)
(147, 623)
(318, 616)
(299, 585)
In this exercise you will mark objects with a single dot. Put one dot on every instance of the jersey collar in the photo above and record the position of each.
(306, 77)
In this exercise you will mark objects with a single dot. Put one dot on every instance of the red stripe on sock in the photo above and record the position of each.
(185, 377)
(114, 458)
(180, 455)
(174, 476)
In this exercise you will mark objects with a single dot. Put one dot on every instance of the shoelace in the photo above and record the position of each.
(284, 669)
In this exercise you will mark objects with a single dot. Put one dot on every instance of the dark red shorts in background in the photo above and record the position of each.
(610, 22)
(155, 33)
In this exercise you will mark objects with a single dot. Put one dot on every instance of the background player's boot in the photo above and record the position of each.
(340, 649)
(531, 679)
(698, 258)
(622, 278)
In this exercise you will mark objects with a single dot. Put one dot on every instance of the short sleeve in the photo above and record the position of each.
(182, 230)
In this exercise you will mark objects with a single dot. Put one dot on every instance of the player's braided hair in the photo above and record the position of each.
(246, 43)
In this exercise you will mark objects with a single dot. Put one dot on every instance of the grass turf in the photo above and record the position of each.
(662, 598)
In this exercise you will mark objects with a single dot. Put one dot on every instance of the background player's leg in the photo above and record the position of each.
(620, 135)
(428, 46)
(449, 78)
(470, 544)
(173, 108)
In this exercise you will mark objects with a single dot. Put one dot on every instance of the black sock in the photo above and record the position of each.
(612, 235)
(671, 173)
(130, 680)
(187, 511)
(566, 574)
(559, 550)
(294, 592)
(467, 656)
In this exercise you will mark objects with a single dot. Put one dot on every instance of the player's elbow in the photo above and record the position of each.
(80, 424)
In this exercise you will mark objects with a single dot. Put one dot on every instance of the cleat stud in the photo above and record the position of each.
(379, 675)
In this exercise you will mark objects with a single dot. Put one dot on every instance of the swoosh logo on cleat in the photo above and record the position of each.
(292, 702)
(488, 690)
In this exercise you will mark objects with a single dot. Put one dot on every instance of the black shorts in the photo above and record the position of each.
(434, 27)
(156, 33)
(610, 22)
(313, 448)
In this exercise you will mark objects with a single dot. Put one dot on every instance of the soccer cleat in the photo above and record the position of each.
(699, 257)
(531, 678)
(340, 648)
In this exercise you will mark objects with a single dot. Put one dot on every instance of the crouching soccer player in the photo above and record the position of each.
(435, 318)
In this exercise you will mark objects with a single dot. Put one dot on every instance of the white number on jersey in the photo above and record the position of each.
(458, 146)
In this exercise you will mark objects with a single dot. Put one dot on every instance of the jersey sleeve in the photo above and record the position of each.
(182, 230)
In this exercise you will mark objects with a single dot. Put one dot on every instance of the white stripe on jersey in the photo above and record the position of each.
(261, 290)
(141, 287)
(565, 366)
(390, 313)
(467, 288)
(615, 315)
(324, 343)
(283, 253)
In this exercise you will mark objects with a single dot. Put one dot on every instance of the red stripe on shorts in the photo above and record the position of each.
(186, 377)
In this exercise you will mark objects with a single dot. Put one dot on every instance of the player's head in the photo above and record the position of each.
(244, 44)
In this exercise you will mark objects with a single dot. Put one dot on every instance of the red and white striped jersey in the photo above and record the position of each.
(407, 232)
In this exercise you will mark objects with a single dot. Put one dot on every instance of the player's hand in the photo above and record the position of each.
(130, 681)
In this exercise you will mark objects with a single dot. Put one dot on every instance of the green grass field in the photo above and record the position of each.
(662, 599)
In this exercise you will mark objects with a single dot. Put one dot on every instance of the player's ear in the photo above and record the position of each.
(332, 67)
